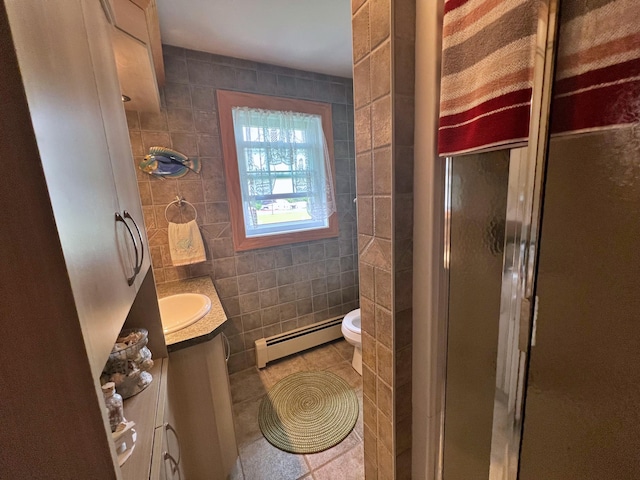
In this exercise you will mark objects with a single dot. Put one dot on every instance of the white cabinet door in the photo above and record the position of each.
(201, 403)
(138, 51)
(61, 88)
(166, 460)
(172, 449)
(116, 131)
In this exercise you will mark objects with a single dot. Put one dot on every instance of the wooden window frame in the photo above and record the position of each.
(226, 101)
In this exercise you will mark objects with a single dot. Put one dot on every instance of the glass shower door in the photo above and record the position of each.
(581, 415)
(581, 411)
(477, 210)
(486, 343)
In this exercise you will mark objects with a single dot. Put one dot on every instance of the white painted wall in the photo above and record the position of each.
(307, 35)
(428, 302)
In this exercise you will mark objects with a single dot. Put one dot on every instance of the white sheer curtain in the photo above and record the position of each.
(283, 156)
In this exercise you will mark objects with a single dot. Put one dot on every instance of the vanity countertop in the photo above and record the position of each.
(204, 329)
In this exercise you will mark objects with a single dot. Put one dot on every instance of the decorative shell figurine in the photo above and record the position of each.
(129, 363)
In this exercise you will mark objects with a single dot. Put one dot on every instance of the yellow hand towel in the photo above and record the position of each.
(185, 243)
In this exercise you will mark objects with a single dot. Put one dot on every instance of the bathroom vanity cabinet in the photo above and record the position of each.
(199, 388)
(203, 409)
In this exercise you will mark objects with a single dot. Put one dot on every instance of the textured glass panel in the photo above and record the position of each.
(478, 210)
(582, 411)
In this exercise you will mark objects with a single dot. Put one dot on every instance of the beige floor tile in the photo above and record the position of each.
(346, 371)
(248, 384)
(345, 348)
(316, 460)
(279, 369)
(349, 466)
(245, 416)
(322, 357)
(263, 461)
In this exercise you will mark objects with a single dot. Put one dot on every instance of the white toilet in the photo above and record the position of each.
(351, 332)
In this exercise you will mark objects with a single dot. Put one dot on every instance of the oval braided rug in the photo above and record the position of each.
(308, 412)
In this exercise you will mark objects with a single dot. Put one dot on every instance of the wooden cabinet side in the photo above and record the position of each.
(203, 417)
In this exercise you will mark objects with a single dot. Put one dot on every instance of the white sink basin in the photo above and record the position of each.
(180, 311)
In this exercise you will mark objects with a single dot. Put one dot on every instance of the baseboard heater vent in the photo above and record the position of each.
(294, 341)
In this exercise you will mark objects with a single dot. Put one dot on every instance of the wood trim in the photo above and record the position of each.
(226, 101)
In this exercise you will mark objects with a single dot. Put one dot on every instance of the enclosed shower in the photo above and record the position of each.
(542, 330)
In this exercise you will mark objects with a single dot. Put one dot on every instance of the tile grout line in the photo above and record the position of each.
(336, 458)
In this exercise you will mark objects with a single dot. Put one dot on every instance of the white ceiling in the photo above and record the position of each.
(312, 35)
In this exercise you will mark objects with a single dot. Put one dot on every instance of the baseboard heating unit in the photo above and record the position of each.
(294, 341)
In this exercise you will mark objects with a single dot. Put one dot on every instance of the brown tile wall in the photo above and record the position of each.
(384, 70)
(265, 291)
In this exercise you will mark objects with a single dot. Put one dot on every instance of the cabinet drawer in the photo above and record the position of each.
(166, 460)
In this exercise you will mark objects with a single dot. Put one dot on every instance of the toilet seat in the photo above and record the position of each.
(353, 334)
(351, 321)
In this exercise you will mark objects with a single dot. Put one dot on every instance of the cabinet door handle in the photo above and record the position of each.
(174, 464)
(227, 347)
(169, 427)
(119, 218)
(135, 224)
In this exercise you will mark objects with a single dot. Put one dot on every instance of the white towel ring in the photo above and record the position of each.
(179, 201)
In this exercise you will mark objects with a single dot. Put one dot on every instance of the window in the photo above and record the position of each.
(278, 156)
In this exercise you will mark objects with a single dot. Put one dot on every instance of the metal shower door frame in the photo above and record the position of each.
(521, 238)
